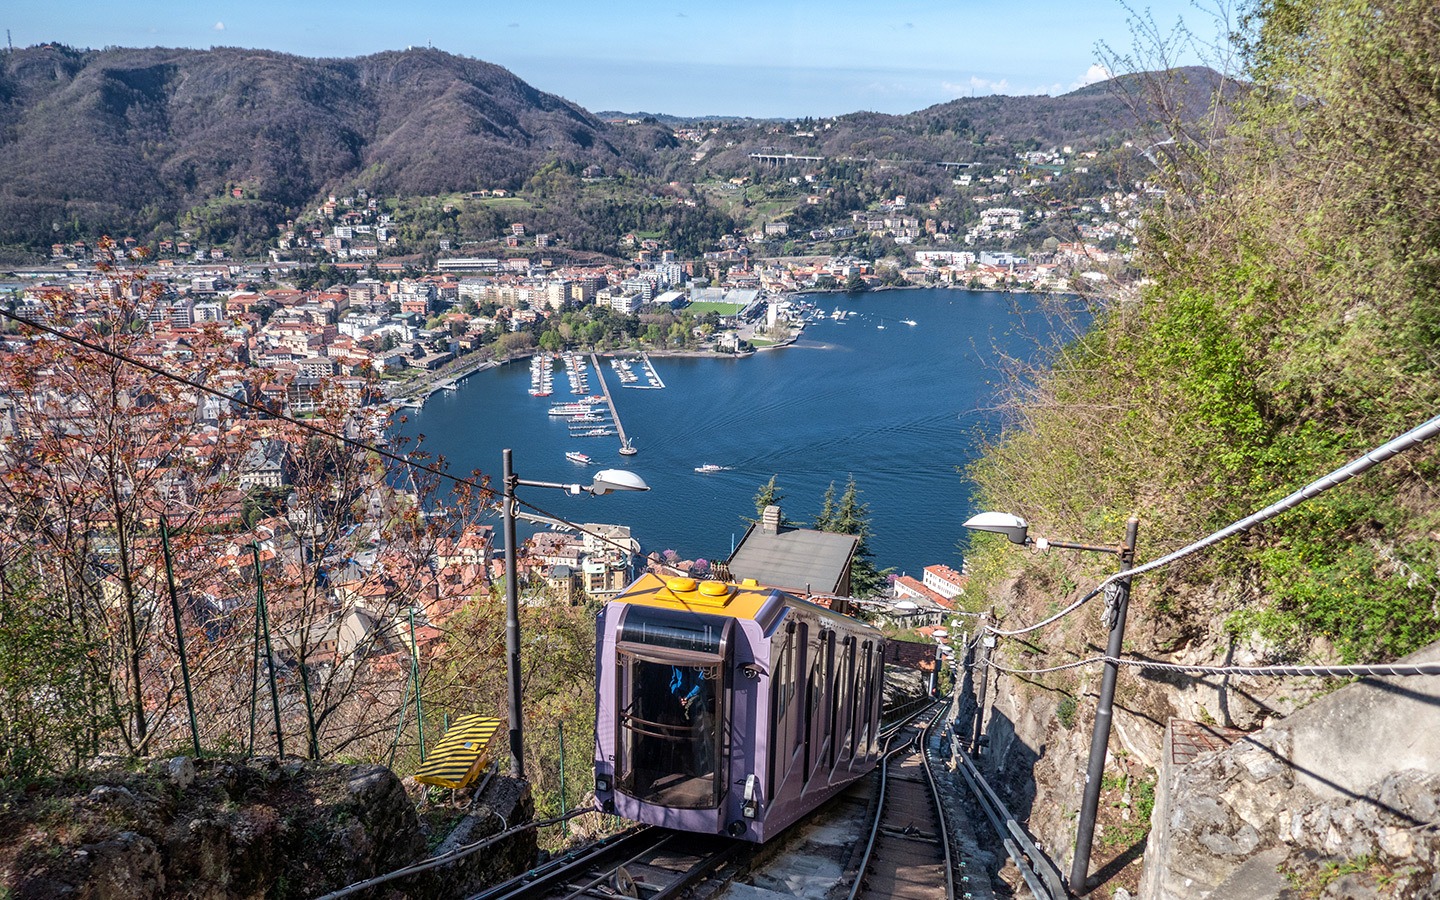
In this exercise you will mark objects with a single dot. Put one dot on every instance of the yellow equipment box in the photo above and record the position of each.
(462, 753)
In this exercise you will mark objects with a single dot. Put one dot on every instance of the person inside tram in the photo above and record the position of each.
(687, 684)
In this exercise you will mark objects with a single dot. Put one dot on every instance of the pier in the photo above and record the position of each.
(614, 415)
(650, 374)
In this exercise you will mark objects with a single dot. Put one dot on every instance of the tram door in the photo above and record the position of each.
(672, 712)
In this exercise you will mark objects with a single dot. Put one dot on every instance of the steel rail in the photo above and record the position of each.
(610, 872)
(532, 878)
(935, 795)
(880, 802)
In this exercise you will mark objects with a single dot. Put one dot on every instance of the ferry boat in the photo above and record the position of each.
(584, 407)
(708, 468)
(576, 457)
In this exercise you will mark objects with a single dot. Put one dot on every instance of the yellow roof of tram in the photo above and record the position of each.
(742, 601)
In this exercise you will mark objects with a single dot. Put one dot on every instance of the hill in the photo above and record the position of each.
(101, 139)
(134, 140)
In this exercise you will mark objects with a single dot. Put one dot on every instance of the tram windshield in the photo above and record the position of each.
(670, 728)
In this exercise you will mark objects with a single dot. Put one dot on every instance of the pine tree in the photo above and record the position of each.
(853, 517)
(768, 495)
(826, 520)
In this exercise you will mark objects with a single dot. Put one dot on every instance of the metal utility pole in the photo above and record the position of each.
(606, 481)
(512, 621)
(984, 641)
(179, 624)
(1104, 714)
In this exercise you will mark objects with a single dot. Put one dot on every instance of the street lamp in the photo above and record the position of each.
(1016, 530)
(606, 481)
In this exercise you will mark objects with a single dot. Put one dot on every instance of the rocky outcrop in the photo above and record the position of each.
(228, 828)
(1036, 735)
(1341, 799)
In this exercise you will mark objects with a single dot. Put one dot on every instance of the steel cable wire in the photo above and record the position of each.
(1407, 441)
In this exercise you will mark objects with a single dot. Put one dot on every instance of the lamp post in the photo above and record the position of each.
(605, 482)
(1016, 529)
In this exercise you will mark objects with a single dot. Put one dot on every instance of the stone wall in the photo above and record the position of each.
(1340, 799)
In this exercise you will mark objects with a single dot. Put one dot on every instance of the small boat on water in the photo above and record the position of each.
(576, 457)
(908, 321)
(710, 467)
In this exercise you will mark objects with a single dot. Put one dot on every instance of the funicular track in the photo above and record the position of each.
(641, 862)
(907, 843)
(907, 855)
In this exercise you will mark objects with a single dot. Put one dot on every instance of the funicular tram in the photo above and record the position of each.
(730, 709)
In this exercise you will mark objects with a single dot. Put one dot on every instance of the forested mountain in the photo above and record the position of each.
(103, 139)
(129, 140)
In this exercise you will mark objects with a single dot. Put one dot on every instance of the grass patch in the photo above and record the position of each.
(1065, 712)
(700, 308)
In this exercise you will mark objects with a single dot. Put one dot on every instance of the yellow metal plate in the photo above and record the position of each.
(462, 753)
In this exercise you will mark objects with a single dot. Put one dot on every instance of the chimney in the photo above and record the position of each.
(770, 520)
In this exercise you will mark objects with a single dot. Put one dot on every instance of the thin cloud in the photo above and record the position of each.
(218, 26)
(978, 85)
(1095, 73)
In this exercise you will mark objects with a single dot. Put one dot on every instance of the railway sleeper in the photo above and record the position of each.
(911, 833)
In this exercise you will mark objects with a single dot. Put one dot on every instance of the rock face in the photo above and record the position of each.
(1339, 799)
(214, 828)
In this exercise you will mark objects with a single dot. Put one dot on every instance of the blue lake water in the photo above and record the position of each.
(903, 408)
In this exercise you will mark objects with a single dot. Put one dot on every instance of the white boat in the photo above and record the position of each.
(580, 458)
(909, 321)
(708, 468)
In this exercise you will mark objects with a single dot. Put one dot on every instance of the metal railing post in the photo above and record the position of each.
(1104, 714)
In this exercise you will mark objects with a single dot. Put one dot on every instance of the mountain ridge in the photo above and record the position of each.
(134, 139)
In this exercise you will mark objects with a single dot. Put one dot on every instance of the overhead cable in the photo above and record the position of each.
(1358, 670)
(261, 408)
(1407, 441)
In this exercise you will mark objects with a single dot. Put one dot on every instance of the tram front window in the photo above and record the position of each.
(669, 727)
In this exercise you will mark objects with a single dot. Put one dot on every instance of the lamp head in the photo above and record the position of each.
(607, 480)
(1013, 527)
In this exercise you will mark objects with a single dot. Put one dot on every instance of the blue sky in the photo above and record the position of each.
(738, 57)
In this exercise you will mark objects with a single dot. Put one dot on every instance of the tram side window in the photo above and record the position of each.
(781, 724)
(863, 687)
(814, 711)
(879, 677)
(840, 701)
(831, 700)
(854, 675)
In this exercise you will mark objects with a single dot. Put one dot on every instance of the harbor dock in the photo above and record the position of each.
(614, 415)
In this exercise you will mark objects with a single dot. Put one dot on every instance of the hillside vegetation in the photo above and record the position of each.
(1289, 325)
(227, 144)
(125, 138)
